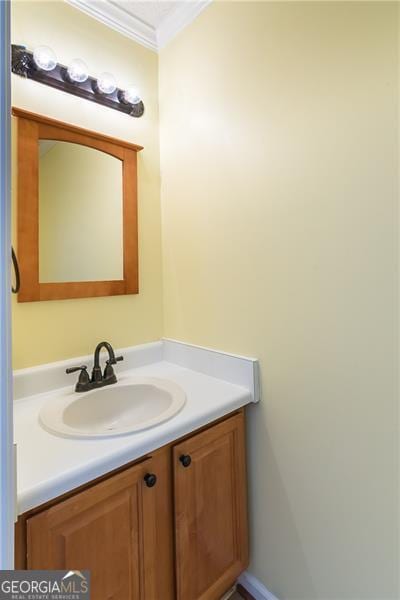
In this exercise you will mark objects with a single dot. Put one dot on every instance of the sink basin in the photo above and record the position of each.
(131, 405)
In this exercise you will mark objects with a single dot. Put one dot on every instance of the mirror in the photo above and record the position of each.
(77, 211)
(80, 213)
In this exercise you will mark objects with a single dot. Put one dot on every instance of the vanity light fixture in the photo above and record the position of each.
(106, 83)
(77, 71)
(44, 58)
(130, 96)
(41, 65)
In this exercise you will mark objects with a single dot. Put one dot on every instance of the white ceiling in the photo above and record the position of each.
(152, 23)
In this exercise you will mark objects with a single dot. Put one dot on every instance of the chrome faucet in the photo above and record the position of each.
(98, 378)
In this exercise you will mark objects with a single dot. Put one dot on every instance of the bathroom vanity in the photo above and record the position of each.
(158, 514)
(123, 526)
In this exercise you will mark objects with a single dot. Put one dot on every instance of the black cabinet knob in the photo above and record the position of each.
(185, 460)
(150, 479)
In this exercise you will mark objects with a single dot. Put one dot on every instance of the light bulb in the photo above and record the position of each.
(45, 58)
(131, 95)
(77, 70)
(106, 83)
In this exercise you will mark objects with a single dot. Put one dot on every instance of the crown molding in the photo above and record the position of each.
(116, 17)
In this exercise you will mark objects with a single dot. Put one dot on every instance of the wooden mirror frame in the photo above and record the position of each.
(31, 129)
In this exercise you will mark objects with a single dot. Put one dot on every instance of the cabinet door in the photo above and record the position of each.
(210, 510)
(109, 529)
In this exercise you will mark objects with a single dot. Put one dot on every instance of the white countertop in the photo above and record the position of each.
(48, 465)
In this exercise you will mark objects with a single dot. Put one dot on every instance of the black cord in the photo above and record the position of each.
(15, 289)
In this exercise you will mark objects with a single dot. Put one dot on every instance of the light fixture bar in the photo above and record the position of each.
(23, 64)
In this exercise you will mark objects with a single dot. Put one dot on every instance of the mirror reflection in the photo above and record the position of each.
(80, 214)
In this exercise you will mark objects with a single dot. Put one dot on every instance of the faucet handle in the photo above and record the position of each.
(109, 374)
(116, 359)
(75, 369)
(84, 379)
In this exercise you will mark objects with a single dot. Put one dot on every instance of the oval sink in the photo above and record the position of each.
(132, 405)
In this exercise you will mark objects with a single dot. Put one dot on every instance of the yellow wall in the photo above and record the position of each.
(278, 146)
(48, 331)
(279, 181)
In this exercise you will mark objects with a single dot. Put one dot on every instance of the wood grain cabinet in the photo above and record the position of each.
(118, 529)
(210, 510)
(173, 526)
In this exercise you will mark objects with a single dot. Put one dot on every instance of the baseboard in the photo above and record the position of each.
(229, 593)
(243, 593)
(254, 587)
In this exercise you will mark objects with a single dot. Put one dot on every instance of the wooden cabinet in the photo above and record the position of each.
(210, 510)
(121, 528)
(114, 530)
